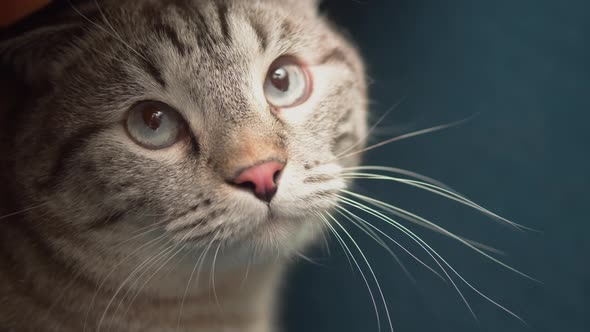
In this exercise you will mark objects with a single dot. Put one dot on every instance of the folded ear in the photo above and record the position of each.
(33, 56)
(313, 3)
(34, 48)
(307, 4)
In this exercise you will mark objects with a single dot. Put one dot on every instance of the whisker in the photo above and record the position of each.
(423, 222)
(405, 136)
(143, 214)
(349, 253)
(372, 129)
(368, 224)
(106, 21)
(120, 288)
(150, 228)
(154, 274)
(325, 244)
(195, 267)
(310, 260)
(438, 191)
(404, 229)
(63, 292)
(342, 245)
(128, 65)
(106, 31)
(245, 278)
(119, 263)
(441, 229)
(212, 280)
(401, 171)
(6, 216)
(145, 268)
(360, 251)
(130, 289)
(431, 252)
(373, 235)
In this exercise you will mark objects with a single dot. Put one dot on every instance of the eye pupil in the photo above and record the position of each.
(153, 118)
(287, 83)
(155, 125)
(280, 79)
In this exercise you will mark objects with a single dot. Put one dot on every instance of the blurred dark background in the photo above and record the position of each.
(524, 67)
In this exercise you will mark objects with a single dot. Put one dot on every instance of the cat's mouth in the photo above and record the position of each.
(248, 214)
(279, 221)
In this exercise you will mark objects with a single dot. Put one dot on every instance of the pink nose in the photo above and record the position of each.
(261, 179)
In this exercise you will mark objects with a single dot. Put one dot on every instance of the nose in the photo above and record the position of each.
(261, 179)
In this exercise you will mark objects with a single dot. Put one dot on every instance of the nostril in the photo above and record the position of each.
(248, 185)
(277, 176)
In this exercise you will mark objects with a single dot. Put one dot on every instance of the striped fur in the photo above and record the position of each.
(109, 234)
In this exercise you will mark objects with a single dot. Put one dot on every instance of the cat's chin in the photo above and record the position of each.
(279, 238)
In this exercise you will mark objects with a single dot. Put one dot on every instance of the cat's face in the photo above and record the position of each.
(186, 115)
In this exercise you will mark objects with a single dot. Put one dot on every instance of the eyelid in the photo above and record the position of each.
(183, 129)
(288, 59)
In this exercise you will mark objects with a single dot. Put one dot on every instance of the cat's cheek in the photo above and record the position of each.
(301, 199)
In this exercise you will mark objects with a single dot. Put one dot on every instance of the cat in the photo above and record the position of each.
(164, 161)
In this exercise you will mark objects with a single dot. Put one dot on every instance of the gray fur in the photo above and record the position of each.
(67, 149)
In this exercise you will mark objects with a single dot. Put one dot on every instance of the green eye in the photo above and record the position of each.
(155, 125)
(287, 84)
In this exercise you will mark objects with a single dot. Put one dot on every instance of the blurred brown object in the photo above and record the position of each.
(14, 10)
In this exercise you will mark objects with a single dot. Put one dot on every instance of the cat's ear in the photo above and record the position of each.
(313, 3)
(310, 5)
(35, 55)
(34, 49)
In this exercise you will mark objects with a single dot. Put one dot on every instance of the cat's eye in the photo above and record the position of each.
(155, 125)
(287, 83)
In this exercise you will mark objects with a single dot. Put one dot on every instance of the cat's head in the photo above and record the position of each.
(187, 116)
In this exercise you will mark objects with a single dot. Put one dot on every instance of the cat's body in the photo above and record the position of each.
(118, 230)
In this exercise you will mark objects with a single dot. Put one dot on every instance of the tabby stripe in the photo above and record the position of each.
(350, 136)
(222, 11)
(16, 259)
(62, 265)
(195, 147)
(261, 34)
(337, 55)
(168, 32)
(327, 192)
(346, 116)
(113, 219)
(205, 39)
(185, 213)
(318, 178)
(203, 237)
(200, 221)
(67, 150)
(148, 63)
(287, 30)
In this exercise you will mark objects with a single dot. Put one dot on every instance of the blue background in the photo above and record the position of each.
(524, 67)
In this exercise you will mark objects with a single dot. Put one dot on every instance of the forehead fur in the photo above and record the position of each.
(208, 60)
